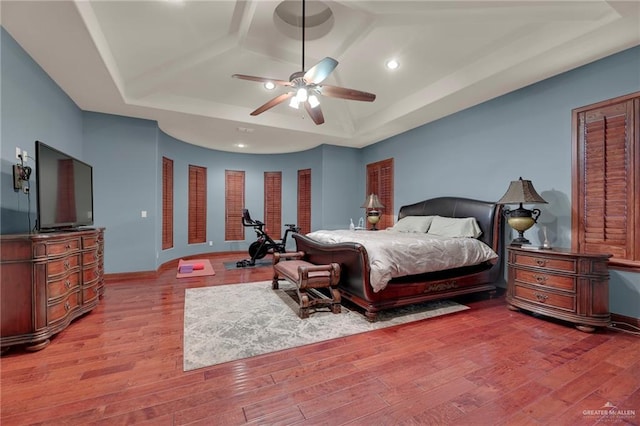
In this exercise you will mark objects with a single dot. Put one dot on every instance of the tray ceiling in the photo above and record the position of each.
(172, 61)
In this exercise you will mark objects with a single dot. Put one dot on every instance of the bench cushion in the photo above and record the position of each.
(289, 269)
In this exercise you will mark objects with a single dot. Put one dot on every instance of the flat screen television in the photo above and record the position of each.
(65, 190)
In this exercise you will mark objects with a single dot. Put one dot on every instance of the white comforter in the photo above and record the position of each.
(395, 254)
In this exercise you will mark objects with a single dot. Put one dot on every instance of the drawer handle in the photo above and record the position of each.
(541, 262)
(67, 246)
(541, 297)
(67, 284)
(66, 264)
(67, 306)
(540, 278)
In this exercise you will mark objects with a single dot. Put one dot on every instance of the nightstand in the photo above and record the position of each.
(560, 283)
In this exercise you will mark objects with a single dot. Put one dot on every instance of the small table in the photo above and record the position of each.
(560, 283)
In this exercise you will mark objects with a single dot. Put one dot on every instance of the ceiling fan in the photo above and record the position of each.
(305, 85)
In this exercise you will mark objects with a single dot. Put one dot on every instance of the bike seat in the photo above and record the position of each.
(247, 221)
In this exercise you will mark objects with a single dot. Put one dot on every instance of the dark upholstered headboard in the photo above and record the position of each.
(487, 214)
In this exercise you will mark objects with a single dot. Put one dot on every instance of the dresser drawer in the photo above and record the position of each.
(56, 248)
(90, 294)
(60, 287)
(541, 297)
(89, 257)
(90, 274)
(564, 265)
(89, 241)
(58, 267)
(545, 279)
(60, 310)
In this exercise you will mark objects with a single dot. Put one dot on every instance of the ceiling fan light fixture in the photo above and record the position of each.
(301, 94)
(305, 85)
(313, 101)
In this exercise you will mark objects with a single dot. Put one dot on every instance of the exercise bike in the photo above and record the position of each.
(264, 244)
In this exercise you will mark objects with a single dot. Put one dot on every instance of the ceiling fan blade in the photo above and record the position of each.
(315, 113)
(320, 71)
(273, 102)
(262, 79)
(344, 93)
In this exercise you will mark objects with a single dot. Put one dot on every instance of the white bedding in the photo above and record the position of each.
(393, 254)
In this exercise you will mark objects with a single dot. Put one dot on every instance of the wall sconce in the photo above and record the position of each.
(521, 191)
(371, 205)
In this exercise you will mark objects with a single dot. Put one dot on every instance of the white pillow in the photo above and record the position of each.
(455, 227)
(418, 224)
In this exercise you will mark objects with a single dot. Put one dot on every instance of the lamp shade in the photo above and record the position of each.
(521, 191)
(372, 202)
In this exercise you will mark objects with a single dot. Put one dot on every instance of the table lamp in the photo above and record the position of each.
(372, 204)
(521, 191)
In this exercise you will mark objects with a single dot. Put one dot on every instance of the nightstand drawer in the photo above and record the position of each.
(543, 279)
(541, 297)
(566, 265)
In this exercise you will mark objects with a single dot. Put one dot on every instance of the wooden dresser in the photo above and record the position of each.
(46, 281)
(562, 284)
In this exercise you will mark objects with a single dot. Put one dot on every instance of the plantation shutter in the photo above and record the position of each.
(380, 182)
(606, 214)
(304, 201)
(197, 204)
(273, 203)
(234, 203)
(167, 203)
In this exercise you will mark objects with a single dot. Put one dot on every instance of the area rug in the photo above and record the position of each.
(231, 322)
(196, 268)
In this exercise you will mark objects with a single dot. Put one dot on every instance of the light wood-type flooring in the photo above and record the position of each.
(121, 364)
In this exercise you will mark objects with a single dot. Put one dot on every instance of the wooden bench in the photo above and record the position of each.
(308, 278)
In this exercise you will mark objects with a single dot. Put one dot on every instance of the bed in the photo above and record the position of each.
(356, 272)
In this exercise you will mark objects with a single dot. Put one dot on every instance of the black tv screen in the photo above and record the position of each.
(65, 190)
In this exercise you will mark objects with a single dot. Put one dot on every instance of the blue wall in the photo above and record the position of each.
(32, 108)
(474, 153)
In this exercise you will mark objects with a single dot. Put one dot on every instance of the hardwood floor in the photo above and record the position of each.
(122, 364)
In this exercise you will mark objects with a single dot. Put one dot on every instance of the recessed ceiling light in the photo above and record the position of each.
(269, 85)
(240, 145)
(392, 64)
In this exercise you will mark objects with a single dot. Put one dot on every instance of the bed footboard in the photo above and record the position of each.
(352, 258)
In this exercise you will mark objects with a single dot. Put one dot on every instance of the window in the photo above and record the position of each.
(304, 201)
(606, 180)
(273, 203)
(380, 182)
(234, 203)
(167, 203)
(197, 204)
